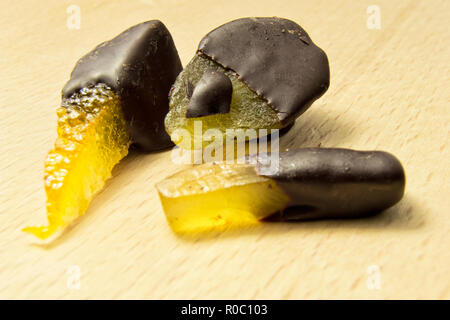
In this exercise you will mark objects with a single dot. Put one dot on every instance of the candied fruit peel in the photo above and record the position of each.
(92, 138)
(215, 196)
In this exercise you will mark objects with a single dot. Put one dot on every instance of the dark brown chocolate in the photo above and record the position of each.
(140, 65)
(211, 95)
(275, 57)
(336, 183)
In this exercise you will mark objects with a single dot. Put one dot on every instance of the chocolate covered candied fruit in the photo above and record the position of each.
(303, 184)
(117, 95)
(275, 71)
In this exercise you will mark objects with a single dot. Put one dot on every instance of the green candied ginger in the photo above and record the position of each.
(247, 110)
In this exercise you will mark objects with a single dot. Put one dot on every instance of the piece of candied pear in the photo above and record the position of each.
(92, 138)
(247, 109)
(217, 196)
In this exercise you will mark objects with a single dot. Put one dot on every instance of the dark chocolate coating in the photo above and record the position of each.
(275, 57)
(337, 183)
(211, 95)
(189, 89)
(140, 65)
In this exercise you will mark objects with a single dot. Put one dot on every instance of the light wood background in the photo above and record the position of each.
(389, 90)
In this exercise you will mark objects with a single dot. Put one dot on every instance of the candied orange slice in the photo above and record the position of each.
(217, 196)
(92, 139)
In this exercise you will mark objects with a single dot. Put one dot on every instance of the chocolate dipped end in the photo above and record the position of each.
(276, 58)
(337, 183)
(212, 95)
(140, 65)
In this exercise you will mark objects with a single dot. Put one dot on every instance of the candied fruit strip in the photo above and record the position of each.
(92, 139)
(218, 196)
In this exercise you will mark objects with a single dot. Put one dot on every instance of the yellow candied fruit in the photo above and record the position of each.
(218, 196)
(92, 139)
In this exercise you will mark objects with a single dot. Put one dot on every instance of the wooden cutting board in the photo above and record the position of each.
(389, 91)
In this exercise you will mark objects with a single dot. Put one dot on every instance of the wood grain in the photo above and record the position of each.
(389, 91)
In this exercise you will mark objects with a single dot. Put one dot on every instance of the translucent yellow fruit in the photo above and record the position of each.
(216, 196)
(247, 110)
(92, 138)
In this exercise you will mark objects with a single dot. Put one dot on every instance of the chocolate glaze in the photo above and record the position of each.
(275, 57)
(337, 183)
(211, 95)
(140, 65)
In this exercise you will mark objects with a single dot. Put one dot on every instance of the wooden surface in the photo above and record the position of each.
(389, 90)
